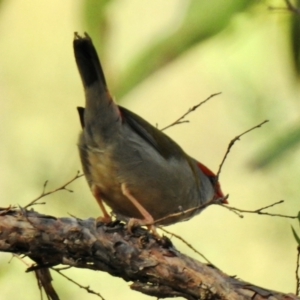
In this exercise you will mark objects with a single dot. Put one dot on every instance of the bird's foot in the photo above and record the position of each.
(133, 222)
(104, 219)
(138, 222)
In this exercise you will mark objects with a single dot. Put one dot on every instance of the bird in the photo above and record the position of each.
(143, 175)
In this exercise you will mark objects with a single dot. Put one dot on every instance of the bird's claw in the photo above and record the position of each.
(138, 222)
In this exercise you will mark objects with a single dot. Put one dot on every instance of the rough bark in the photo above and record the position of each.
(154, 266)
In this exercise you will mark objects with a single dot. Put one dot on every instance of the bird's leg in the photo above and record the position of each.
(106, 217)
(148, 219)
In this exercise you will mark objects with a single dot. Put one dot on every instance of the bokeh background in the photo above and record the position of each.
(160, 58)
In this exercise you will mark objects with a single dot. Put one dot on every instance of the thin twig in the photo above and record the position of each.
(62, 188)
(190, 210)
(258, 211)
(87, 288)
(19, 258)
(232, 142)
(63, 268)
(297, 272)
(37, 279)
(180, 120)
(40, 287)
(186, 243)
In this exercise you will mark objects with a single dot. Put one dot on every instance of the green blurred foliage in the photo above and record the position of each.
(202, 20)
(278, 147)
(281, 145)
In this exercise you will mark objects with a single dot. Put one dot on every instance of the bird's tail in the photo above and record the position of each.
(100, 110)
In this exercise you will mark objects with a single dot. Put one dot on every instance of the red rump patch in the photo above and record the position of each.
(212, 176)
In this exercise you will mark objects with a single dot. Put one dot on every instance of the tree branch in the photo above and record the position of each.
(154, 266)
